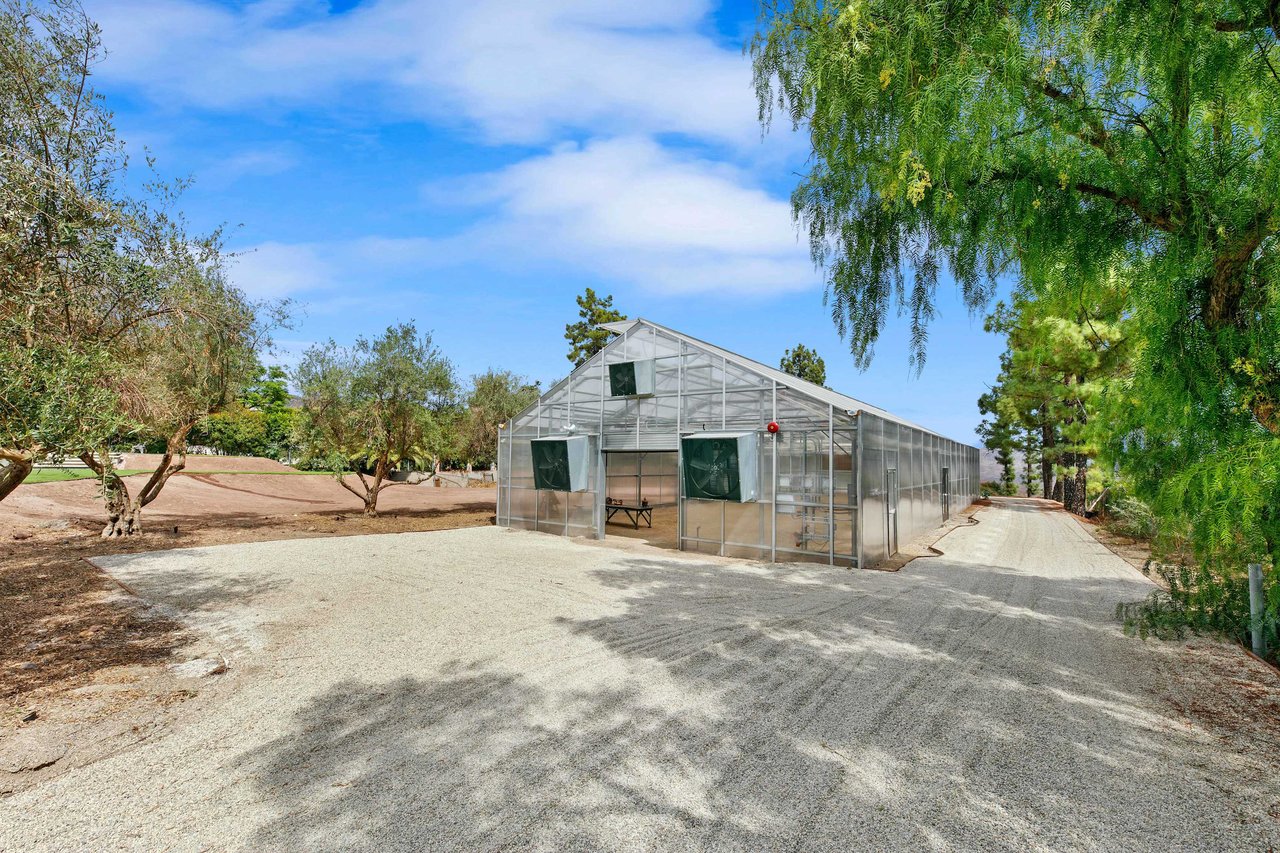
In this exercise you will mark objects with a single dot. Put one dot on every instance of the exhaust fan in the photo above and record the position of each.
(631, 378)
(562, 463)
(720, 466)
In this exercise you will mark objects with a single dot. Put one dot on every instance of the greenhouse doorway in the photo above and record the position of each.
(641, 492)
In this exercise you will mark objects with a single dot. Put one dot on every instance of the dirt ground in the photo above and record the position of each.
(64, 621)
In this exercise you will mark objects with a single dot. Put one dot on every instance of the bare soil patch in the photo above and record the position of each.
(64, 620)
(207, 464)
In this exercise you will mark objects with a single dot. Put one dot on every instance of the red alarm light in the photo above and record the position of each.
(773, 426)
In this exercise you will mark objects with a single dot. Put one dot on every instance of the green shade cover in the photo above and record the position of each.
(622, 379)
(551, 466)
(711, 469)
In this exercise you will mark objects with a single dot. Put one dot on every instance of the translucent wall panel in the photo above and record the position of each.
(524, 507)
(902, 484)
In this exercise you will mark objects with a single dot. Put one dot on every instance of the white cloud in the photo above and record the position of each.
(631, 210)
(274, 270)
(271, 160)
(520, 72)
(623, 210)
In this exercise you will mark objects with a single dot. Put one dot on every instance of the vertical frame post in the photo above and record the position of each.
(598, 512)
(1255, 609)
(497, 478)
(724, 407)
(537, 509)
(861, 516)
(680, 447)
(773, 495)
(831, 484)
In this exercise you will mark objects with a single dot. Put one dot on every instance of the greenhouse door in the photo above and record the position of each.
(946, 493)
(891, 509)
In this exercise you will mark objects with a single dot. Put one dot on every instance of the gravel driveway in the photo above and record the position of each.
(485, 689)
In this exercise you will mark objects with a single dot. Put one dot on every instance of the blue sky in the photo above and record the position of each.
(474, 165)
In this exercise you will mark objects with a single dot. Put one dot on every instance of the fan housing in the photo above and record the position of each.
(561, 463)
(631, 378)
(720, 466)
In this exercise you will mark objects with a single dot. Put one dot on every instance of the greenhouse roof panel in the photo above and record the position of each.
(842, 402)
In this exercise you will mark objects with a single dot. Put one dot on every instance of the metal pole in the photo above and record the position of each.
(597, 513)
(724, 389)
(831, 484)
(537, 502)
(1255, 609)
(497, 479)
(602, 479)
(859, 527)
(773, 500)
(680, 448)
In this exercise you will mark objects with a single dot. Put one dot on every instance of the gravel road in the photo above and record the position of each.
(483, 689)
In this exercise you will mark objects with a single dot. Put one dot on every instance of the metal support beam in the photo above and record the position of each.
(680, 448)
(1256, 605)
(831, 484)
(859, 527)
(773, 497)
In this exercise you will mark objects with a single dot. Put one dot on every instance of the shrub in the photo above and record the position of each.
(991, 487)
(1131, 518)
(1199, 602)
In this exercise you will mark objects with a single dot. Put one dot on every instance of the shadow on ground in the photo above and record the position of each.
(746, 707)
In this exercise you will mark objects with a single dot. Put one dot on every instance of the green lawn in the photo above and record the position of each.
(57, 475)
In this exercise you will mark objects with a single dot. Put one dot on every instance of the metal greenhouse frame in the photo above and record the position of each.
(838, 482)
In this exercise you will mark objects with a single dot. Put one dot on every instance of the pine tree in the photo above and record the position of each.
(999, 432)
(805, 364)
(585, 337)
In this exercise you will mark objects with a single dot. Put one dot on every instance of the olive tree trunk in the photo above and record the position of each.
(370, 487)
(18, 466)
(124, 512)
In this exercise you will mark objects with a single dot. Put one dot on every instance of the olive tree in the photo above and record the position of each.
(369, 407)
(114, 320)
(177, 372)
(60, 217)
(496, 396)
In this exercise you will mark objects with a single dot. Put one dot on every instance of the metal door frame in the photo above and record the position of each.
(891, 506)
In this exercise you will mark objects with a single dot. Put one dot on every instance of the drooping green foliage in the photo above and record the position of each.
(805, 364)
(1054, 139)
(585, 337)
(368, 407)
(1105, 151)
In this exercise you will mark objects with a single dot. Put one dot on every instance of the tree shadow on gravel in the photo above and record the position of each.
(747, 707)
(158, 579)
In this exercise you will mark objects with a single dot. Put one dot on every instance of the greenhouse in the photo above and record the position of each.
(690, 446)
